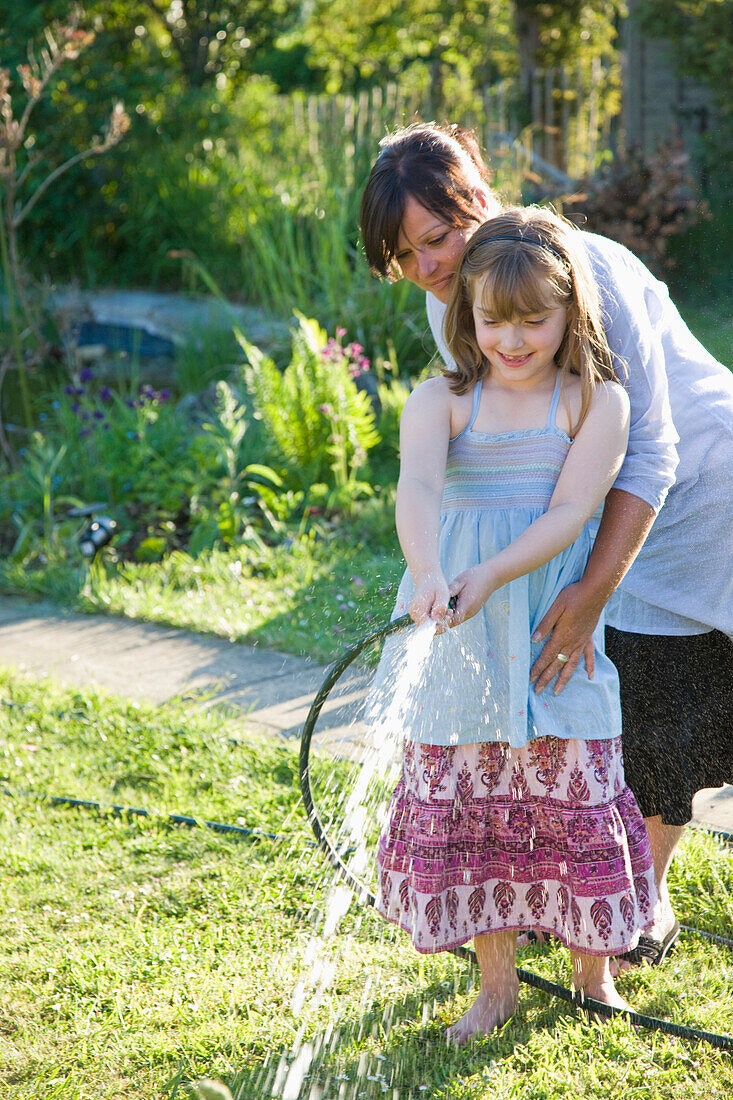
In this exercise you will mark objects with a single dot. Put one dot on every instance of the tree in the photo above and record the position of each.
(200, 40)
(26, 176)
(357, 43)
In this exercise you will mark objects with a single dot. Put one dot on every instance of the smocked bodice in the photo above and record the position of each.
(508, 469)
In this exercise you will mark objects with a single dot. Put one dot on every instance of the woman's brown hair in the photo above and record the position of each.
(439, 166)
(523, 262)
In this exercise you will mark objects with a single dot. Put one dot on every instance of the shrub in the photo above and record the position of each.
(254, 469)
(641, 203)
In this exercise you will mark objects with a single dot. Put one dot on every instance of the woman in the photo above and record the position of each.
(667, 572)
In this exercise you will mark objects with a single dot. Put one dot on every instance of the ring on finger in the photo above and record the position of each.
(562, 658)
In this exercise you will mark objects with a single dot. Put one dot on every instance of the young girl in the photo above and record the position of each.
(512, 810)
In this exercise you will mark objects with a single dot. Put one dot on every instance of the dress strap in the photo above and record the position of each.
(553, 404)
(476, 403)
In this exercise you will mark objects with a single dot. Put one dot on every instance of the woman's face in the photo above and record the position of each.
(429, 249)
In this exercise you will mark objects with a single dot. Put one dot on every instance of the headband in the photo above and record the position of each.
(528, 240)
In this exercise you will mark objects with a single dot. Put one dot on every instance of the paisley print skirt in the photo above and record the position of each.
(487, 838)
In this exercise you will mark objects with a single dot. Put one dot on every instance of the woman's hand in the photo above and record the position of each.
(568, 627)
(470, 591)
(430, 600)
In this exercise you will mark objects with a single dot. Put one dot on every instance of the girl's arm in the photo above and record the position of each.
(424, 436)
(589, 472)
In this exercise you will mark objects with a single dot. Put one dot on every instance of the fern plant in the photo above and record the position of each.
(230, 494)
(321, 425)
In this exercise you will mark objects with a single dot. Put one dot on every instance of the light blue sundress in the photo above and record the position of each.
(474, 686)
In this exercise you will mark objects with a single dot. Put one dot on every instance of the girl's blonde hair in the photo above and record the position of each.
(525, 261)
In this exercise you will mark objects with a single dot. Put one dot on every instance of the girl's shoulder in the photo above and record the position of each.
(436, 392)
(608, 402)
(609, 407)
(610, 395)
(432, 403)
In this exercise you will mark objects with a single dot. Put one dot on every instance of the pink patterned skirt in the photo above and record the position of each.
(485, 838)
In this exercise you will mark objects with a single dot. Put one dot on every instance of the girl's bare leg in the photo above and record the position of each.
(497, 997)
(592, 976)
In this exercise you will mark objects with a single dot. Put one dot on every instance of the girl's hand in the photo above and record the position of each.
(471, 591)
(430, 600)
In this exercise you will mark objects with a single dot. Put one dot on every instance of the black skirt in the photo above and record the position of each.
(677, 714)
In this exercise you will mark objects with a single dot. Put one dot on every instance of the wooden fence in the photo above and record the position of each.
(557, 131)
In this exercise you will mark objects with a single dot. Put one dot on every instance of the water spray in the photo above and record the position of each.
(364, 895)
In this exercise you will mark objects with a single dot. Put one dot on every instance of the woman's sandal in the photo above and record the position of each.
(651, 951)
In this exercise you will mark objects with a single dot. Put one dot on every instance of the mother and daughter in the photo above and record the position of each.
(561, 356)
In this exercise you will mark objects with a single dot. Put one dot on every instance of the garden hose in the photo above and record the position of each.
(366, 897)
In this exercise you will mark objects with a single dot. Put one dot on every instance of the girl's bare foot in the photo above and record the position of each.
(607, 994)
(592, 978)
(491, 1009)
(497, 999)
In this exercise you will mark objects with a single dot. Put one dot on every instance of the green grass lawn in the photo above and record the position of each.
(137, 956)
(712, 323)
(310, 597)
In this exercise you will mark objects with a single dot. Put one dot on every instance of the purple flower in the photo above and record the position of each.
(74, 406)
(98, 414)
(86, 374)
(69, 390)
(164, 395)
(105, 393)
(84, 432)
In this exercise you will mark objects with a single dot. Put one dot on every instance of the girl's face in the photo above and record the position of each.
(429, 249)
(520, 351)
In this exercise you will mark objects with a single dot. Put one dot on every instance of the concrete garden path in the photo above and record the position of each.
(150, 663)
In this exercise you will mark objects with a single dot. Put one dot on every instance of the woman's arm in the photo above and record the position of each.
(424, 437)
(633, 302)
(574, 615)
(587, 475)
